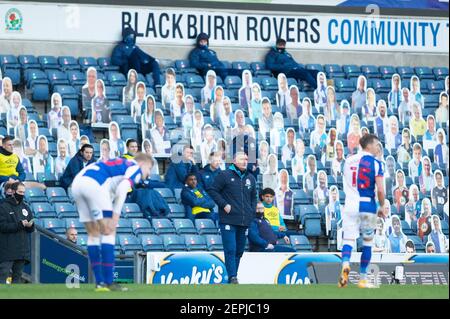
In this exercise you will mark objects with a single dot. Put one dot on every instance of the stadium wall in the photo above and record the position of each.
(67, 35)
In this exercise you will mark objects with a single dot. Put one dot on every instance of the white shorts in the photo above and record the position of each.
(356, 223)
(91, 198)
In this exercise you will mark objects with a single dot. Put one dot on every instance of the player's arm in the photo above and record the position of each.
(120, 195)
(379, 180)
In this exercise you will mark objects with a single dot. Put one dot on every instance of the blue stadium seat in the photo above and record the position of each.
(82, 240)
(314, 66)
(405, 71)
(440, 73)
(124, 226)
(116, 78)
(300, 243)
(9, 61)
(43, 210)
(54, 224)
(68, 63)
(29, 62)
(302, 198)
(183, 66)
(111, 93)
(104, 63)
(344, 85)
(351, 70)
(370, 71)
(387, 71)
(129, 244)
(131, 210)
(205, 226)
(56, 194)
(424, 72)
(407, 229)
(380, 85)
(232, 82)
(163, 226)
(195, 242)
(214, 242)
(436, 87)
(57, 77)
(334, 71)
(269, 83)
(76, 77)
(193, 80)
(240, 65)
(259, 68)
(184, 226)
(152, 243)
(176, 211)
(35, 194)
(13, 74)
(141, 226)
(48, 62)
(87, 61)
(75, 223)
(167, 194)
(420, 247)
(444, 226)
(66, 210)
(173, 243)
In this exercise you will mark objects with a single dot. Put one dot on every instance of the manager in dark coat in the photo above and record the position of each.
(84, 157)
(234, 191)
(16, 222)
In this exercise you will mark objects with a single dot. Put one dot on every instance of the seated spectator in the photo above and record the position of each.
(430, 137)
(400, 193)
(168, 89)
(437, 237)
(284, 198)
(306, 122)
(89, 89)
(132, 149)
(216, 107)
(54, 117)
(83, 157)
(319, 135)
(197, 202)
(105, 151)
(245, 92)
(148, 117)
(203, 59)
(63, 131)
(178, 171)
(11, 168)
(277, 133)
(210, 171)
(393, 138)
(208, 91)
(72, 235)
(439, 192)
(397, 240)
(262, 237)
(320, 194)
(298, 163)
(227, 117)
(359, 96)
(177, 106)
(288, 150)
(381, 122)
(265, 122)
(208, 145)
(127, 55)
(21, 129)
(12, 116)
(331, 109)
(271, 212)
(415, 164)
(263, 156)
(270, 176)
(255, 110)
(343, 123)
(429, 248)
(415, 95)
(129, 90)
(320, 93)
(337, 164)
(101, 113)
(333, 210)
(405, 150)
(283, 97)
(5, 97)
(329, 150)
(310, 177)
(370, 108)
(426, 178)
(405, 108)
(196, 133)
(24, 160)
(441, 149)
(117, 145)
(380, 240)
(294, 109)
(278, 60)
(160, 136)
(424, 222)
(394, 96)
(147, 148)
(138, 103)
(354, 134)
(417, 125)
(43, 162)
(442, 111)
(413, 207)
(31, 143)
(63, 159)
(187, 119)
(74, 142)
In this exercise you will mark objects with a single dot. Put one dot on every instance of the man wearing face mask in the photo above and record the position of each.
(16, 222)
(127, 55)
(204, 59)
(279, 61)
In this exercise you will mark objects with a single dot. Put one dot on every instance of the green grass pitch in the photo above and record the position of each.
(57, 291)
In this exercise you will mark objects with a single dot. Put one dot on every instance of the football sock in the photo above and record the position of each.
(95, 257)
(108, 258)
(365, 260)
(346, 253)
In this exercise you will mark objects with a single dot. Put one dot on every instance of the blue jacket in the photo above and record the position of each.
(200, 58)
(151, 202)
(207, 177)
(280, 62)
(177, 172)
(260, 234)
(75, 165)
(237, 189)
(189, 199)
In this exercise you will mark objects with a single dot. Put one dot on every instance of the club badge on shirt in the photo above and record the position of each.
(248, 184)
(24, 212)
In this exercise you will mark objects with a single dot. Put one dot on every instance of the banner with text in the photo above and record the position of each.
(85, 23)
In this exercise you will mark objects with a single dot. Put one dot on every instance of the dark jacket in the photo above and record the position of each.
(75, 165)
(260, 234)
(14, 237)
(231, 187)
(207, 176)
(177, 172)
(280, 62)
(19, 168)
(204, 59)
(129, 56)
(151, 202)
(189, 199)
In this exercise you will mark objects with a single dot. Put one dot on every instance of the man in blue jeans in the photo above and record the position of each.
(234, 191)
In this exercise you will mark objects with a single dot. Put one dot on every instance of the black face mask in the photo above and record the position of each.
(281, 50)
(18, 197)
(259, 215)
